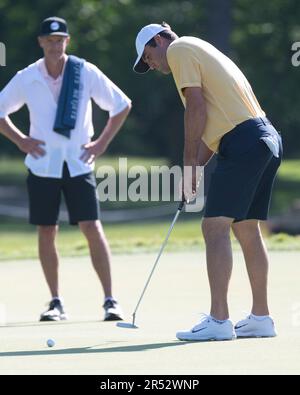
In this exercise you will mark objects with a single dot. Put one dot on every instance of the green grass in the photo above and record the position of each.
(290, 170)
(19, 241)
(124, 238)
(287, 186)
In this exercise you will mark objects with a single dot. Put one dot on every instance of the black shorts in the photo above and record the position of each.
(241, 185)
(45, 198)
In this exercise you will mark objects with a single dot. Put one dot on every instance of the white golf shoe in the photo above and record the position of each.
(209, 329)
(253, 327)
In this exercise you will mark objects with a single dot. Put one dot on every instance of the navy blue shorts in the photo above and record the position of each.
(241, 185)
(45, 198)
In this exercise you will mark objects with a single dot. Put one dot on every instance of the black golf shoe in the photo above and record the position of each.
(113, 311)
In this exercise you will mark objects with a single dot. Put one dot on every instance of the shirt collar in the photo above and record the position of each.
(43, 70)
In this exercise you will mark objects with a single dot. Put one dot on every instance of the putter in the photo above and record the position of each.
(132, 325)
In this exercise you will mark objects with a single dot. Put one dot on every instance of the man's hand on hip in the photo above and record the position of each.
(91, 151)
(32, 146)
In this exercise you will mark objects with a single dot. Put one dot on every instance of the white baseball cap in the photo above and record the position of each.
(145, 35)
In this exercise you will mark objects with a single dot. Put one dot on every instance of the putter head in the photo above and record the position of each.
(127, 325)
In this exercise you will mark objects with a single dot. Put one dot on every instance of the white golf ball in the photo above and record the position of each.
(50, 343)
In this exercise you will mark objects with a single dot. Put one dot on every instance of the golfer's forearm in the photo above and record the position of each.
(194, 124)
(113, 126)
(9, 130)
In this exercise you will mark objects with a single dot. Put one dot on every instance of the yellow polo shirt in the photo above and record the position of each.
(228, 95)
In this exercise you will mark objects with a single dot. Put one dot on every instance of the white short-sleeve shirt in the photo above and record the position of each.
(30, 87)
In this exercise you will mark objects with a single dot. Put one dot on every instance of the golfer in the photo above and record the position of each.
(222, 116)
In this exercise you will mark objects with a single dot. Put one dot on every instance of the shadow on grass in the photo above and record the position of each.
(45, 323)
(91, 350)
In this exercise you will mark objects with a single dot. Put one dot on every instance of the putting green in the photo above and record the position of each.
(178, 292)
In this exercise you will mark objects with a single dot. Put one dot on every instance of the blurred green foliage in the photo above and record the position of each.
(285, 194)
(258, 35)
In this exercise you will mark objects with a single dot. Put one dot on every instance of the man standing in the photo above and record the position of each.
(222, 115)
(57, 90)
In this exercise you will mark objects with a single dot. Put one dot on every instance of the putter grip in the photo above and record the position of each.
(181, 205)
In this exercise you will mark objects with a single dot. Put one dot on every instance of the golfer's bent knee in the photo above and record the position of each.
(214, 228)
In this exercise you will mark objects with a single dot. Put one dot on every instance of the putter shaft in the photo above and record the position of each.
(180, 207)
